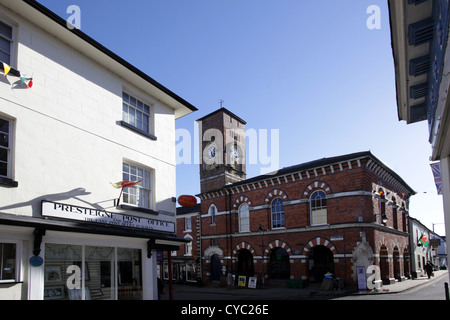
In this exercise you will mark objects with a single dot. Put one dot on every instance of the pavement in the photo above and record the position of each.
(312, 291)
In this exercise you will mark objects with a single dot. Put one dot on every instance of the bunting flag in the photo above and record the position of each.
(6, 69)
(436, 169)
(23, 78)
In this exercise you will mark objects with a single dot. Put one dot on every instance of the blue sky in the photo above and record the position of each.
(311, 69)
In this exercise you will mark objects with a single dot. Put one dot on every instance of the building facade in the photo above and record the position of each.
(420, 34)
(421, 249)
(335, 214)
(186, 266)
(74, 120)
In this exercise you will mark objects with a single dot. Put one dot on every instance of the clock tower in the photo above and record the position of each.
(222, 149)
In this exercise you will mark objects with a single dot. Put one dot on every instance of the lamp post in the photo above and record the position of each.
(261, 229)
(383, 216)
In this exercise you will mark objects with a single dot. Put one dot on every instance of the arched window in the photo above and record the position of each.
(277, 213)
(318, 205)
(188, 246)
(244, 218)
(212, 211)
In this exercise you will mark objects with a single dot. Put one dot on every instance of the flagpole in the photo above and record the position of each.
(120, 196)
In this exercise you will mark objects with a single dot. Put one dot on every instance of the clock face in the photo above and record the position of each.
(236, 153)
(211, 152)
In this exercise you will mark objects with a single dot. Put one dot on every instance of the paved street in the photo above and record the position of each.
(427, 289)
(420, 289)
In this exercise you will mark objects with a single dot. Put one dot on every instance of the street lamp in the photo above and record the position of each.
(383, 216)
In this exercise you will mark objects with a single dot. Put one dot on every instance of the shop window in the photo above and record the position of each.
(100, 273)
(7, 262)
(191, 271)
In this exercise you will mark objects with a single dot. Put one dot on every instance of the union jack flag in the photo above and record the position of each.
(436, 169)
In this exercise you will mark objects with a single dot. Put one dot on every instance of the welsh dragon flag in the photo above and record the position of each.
(423, 240)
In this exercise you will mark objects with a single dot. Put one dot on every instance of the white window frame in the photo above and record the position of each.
(318, 208)
(188, 224)
(139, 108)
(146, 186)
(244, 218)
(281, 212)
(9, 149)
(12, 40)
(212, 212)
(188, 247)
(18, 262)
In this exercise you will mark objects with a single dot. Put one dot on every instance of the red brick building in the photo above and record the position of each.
(332, 214)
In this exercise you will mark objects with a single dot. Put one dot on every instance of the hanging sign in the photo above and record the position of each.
(187, 201)
(72, 212)
(36, 261)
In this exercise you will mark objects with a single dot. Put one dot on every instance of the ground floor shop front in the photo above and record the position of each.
(53, 260)
(309, 256)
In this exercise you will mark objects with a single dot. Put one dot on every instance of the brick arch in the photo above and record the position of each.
(277, 244)
(240, 200)
(243, 245)
(319, 241)
(316, 185)
(275, 193)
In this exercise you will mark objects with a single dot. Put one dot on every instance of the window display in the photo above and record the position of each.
(102, 273)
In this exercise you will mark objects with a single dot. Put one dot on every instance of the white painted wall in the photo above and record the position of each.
(66, 134)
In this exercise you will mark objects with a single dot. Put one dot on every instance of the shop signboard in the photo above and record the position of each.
(73, 212)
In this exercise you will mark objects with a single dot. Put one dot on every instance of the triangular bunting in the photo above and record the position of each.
(6, 68)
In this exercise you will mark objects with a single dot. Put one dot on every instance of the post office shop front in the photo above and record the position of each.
(56, 259)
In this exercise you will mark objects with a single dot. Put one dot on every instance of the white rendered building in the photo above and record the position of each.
(89, 119)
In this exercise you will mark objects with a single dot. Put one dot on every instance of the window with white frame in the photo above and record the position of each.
(212, 211)
(188, 224)
(244, 218)
(277, 213)
(6, 43)
(318, 204)
(5, 148)
(188, 246)
(137, 113)
(139, 195)
(8, 262)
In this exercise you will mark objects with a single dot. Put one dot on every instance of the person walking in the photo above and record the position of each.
(429, 269)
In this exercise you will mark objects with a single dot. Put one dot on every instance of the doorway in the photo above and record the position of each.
(245, 263)
(280, 267)
(320, 261)
(216, 267)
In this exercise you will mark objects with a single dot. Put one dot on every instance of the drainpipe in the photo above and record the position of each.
(229, 232)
